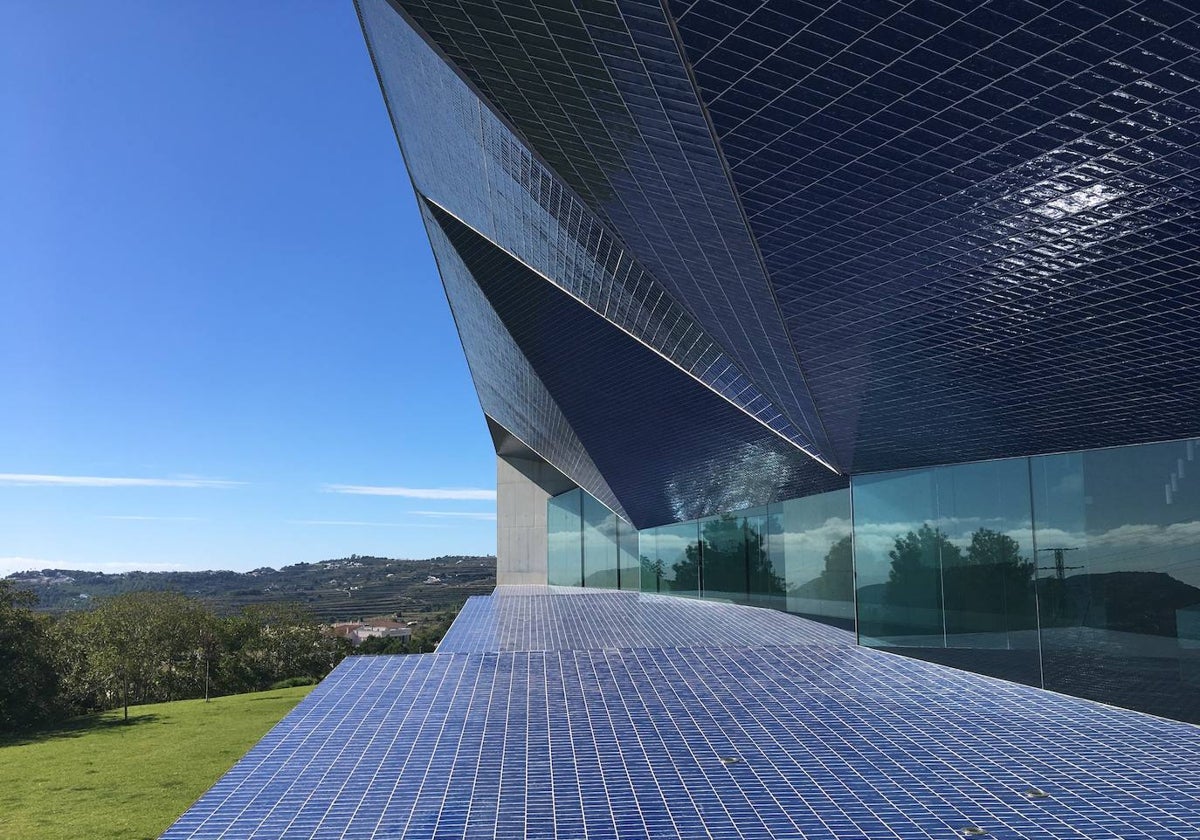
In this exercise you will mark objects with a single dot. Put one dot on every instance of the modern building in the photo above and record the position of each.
(808, 333)
(880, 313)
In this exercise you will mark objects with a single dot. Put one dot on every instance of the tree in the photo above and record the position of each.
(934, 586)
(145, 646)
(651, 573)
(28, 683)
(993, 589)
(991, 548)
(83, 689)
(267, 643)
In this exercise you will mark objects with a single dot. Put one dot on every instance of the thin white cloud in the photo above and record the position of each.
(459, 513)
(36, 480)
(352, 523)
(154, 518)
(8, 565)
(459, 493)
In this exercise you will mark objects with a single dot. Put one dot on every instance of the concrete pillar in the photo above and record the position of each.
(521, 549)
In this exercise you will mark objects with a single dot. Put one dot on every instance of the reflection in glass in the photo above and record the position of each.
(679, 559)
(897, 551)
(809, 540)
(651, 568)
(988, 570)
(724, 557)
(1118, 568)
(945, 563)
(599, 545)
(564, 536)
(1101, 599)
(630, 568)
(766, 582)
(987, 577)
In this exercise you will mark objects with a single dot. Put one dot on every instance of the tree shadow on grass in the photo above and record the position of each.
(76, 728)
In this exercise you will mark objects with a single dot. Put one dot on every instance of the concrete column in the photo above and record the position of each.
(521, 549)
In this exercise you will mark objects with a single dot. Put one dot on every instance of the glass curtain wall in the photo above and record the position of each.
(1118, 575)
(564, 537)
(1077, 572)
(678, 559)
(897, 561)
(810, 544)
(945, 566)
(629, 566)
(766, 581)
(600, 546)
(588, 544)
(795, 556)
(648, 559)
(723, 543)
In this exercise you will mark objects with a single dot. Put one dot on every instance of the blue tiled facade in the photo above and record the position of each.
(879, 313)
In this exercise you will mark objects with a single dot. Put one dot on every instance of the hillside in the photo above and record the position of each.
(334, 590)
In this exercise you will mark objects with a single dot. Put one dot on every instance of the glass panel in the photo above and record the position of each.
(1118, 550)
(679, 558)
(564, 537)
(628, 557)
(810, 541)
(765, 579)
(650, 566)
(724, 557)
(897, 549)
(599, 545)
(988, 569)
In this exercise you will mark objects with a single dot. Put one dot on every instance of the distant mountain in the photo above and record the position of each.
(345, 589)
(1133, 602)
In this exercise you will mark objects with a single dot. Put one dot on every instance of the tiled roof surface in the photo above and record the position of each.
(816, 740)
(525, 618)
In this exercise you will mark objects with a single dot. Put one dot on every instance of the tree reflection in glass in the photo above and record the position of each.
(810, 543)
(946, 560)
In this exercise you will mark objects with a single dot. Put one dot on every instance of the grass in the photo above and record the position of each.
(98, 777)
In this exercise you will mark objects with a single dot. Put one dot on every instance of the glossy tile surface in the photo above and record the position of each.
(817, 740)
(924, 233)
(979, 218)
(667, 446)
(600, 92)
(566, 618)
(464, 159)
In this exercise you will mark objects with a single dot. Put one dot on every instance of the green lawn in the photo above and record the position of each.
(100, 778)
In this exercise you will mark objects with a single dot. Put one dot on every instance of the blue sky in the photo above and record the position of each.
(214, 282)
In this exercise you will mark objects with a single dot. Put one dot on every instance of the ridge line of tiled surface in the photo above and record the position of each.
(509, 389)
(833, 741)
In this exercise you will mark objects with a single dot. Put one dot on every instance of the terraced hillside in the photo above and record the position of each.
(345, 589)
